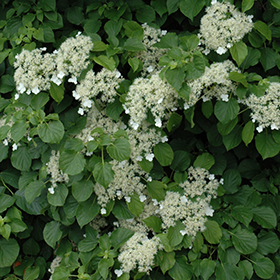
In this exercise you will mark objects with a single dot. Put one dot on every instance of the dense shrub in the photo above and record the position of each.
(139, 139)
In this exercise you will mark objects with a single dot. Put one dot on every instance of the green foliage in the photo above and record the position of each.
(76, 184)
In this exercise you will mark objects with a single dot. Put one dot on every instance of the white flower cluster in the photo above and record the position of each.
(55, 263)
(57, 176)
(151, 56)
(126, 181)
(266, 109)
(34, 70)
(192, 207)
(139, 252)
(213, 83)
(153, 95)
(104, 82)
(222, 26)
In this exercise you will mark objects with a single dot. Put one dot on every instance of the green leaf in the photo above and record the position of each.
(105, 61)
(135, 206)
(134, 45)
(133, 30)
(174, 121)
(51, 132)
(266, 145)
(181, 270)
(275, 3)
(268, 58)
(9, 250)
(135, 63)
(47, 5)
(251, 59)
(52, 233)
(195, 68)
(170, 40)
(145, 13)
(21, 159)
(167, 261)
(5, 231)
(265, 217)
(32, 273)
(61, 273)
(232, 181)
(238, 52)
(119, 149)
(7, 83)
(207, 108)
(226, 111)
(263, 29)
(164, 154)
(226, 128)
(268, 243)
(181, 161)
(87, 211)
(33, 190)
(120, 236)
(247, 268)
(112, 28)
(92, 26)
(103, 173)
(213, 233)
(82, 190)
(264, 268)
(238, 77)
(75, 15)
(172, 6)
(248, 132)
(59, 196)
(227, 271)
(90, 241)
(156, 190)
(244, 241)
(71, 162)
(242, 214)
(174, 235)
(57, 92)
(6, 201)
(39, 100)
(191, 8)
(207, 268)
(154, 223)
(204, 161)
(234, 138)
(247, 5)
(175, 77)
(121, 211)
(4, 54)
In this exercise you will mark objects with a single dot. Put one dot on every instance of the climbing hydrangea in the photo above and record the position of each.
(222, 26)
(266, 109)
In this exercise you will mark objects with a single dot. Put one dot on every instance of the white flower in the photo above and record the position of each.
(118, 272)
(139, 158)
(60, 75)
(183, 199)
(158, 122)
(126, 110)
(155, 202)
(221, 50)
(78, 34)
(118, 74)
(29, 138)
(35, 90)
(118, 193)
(274, 126)
(5, 142)
(116, 224)
(14, 147)
(206, 51)
(90, 138)
(213, 2)
(224, 97)
(87, 103)
(134, 125)
(163, 32)
(164, 139)
(150, 69)
(56, 80)
(142, 198)
(75, 95)
(186, 106)
(229, 45)
(209, 211)
(103, 211)
(211, 177)
(127, 199)
(205, 98)
(51, 190)
(150, 157)
(222, 181)
(160, 100)
(73, 80)
(16, 96)
(149, 179)
(81, 111)
(183, 232)
(21, 88)
(259, 129)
